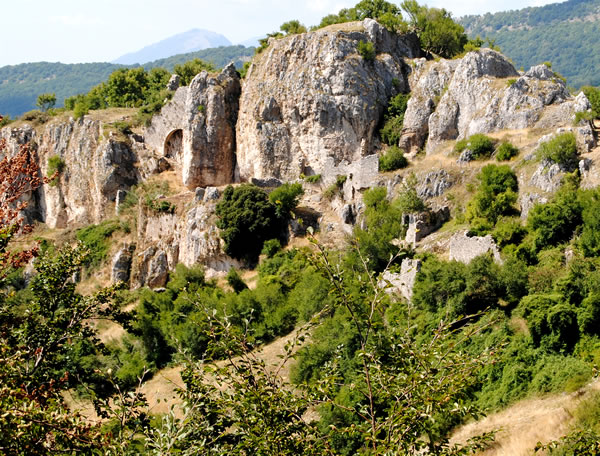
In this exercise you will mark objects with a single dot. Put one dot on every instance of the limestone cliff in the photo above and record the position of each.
(312, 96)
(196, 129)
(310, 104)
(95, 169)
(481, 93)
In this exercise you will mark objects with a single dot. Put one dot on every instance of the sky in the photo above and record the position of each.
(78, 31)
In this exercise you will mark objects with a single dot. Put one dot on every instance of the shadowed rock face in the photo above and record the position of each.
(195, 131)
(312, 96)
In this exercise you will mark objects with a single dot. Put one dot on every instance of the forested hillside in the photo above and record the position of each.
(565, 34)
(21, 84)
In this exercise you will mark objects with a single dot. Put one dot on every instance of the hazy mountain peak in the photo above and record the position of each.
(190, 41)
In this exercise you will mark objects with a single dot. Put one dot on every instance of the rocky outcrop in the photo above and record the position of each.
(480, 93)
(423, 224)
(434, 184)
(465, 249)
(528, 201)
(96, 168)
(169, 239)
(195, 131)
(121, 265)
(548, 176)
(404, 281)
(312, 97)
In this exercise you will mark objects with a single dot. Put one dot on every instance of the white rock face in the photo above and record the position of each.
(311, 97)
(465, 249)
(196, 130)
(190, 239)
(96, 168)
(403, 282)
(481, 93)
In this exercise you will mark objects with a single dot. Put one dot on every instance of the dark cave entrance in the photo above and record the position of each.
(174, 144)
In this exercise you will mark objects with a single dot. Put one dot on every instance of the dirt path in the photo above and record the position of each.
(161, 389)
(528, 422)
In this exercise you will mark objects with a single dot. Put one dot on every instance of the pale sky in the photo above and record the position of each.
(77, 31)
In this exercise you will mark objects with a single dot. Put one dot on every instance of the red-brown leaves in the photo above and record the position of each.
(19, 176)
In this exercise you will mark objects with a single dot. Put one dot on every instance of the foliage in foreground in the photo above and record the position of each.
(396, 410)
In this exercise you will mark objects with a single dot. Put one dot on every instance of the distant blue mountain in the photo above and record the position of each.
(190, 41)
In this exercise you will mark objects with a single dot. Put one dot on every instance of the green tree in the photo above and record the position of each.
(496, 195)
(46, 101)
(561, 149)
(247, 219)
(293, 27)
(190, 69)
(437, 31)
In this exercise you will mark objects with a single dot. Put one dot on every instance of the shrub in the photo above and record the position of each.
(81, 109)
(408, 200)
(593, 94)
(393, 159)
(271, 247)
(555, 221)
(312, 179)
(96, 238)
(5, 120)
(481, 145)
(561, 149)
(383, 224)
(496, 195)
(394, 119)
(293, 27)
(589, 241)
(334, 189)
(506, 151)
(247, 219)
(366, 49)
(190, 69)
(285, 198)
(162, 206)
(56, 165)
(35, 116)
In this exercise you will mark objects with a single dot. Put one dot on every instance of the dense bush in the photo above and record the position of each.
(506, 151)
(496, 194)
(285, 198)
(555, 221)
(188, 70)
(593, 94)
(589, 241)
(394, 119)
(383, 224)
(407, 200)
(96, 239)
(561, 149)
(393, 159)
(247, 219)
(271, 247)
(480, 145)
(366, 50)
